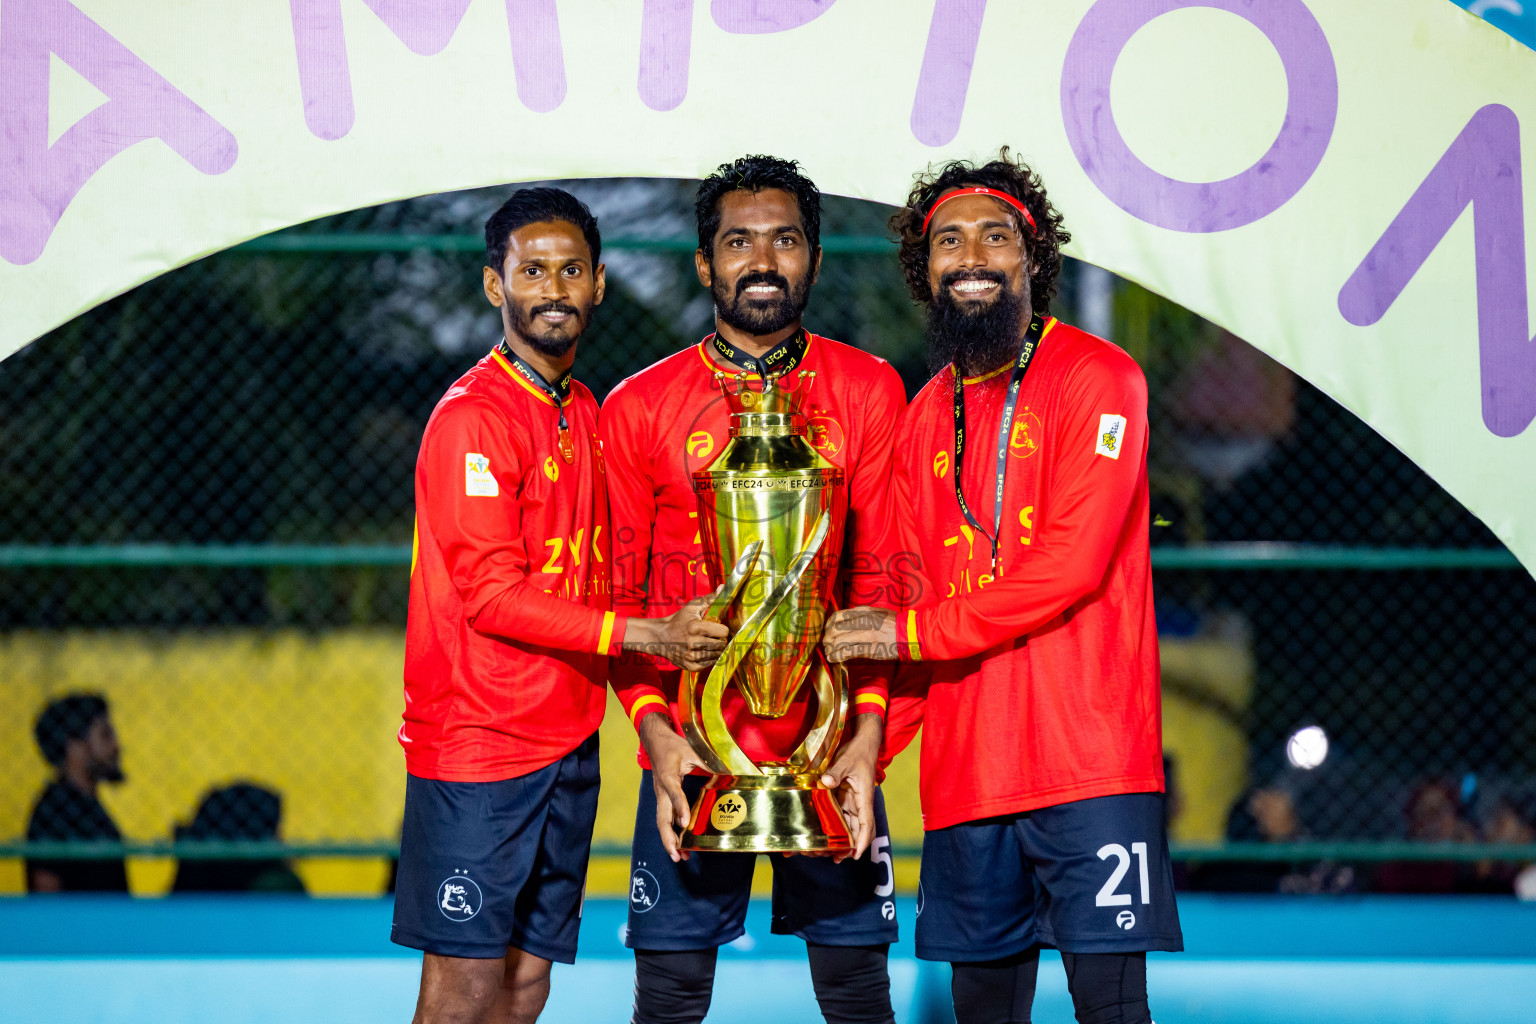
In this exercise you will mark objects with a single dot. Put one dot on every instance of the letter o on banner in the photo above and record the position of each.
(1312, 85)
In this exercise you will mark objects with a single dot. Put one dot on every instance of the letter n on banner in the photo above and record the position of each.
(1481, 169)
(39, 181)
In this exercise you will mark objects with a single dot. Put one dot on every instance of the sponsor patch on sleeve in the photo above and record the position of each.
(478, 481)
(1111, 435)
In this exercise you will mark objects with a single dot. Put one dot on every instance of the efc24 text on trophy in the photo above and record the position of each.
(772, 511)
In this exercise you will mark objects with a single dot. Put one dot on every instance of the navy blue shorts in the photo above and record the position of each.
(489, 865)
(1090, 876)
(701, 903)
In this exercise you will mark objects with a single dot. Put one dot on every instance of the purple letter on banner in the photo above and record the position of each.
(38, 181)
(946, 74)
(425, 27)
(666, 30)
(1481, 169)
(1313, 101)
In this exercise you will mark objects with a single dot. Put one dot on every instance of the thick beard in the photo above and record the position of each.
(756, 317)
(554, 343)
(976, 340)
(105, 771)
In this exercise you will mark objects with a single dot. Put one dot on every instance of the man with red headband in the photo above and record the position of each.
(1023, 469)
(759, 221)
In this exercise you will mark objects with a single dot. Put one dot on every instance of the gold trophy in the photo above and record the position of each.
(772, 510)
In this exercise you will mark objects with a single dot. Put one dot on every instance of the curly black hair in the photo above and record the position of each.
(532, 206)
(756, 173)
(1006, 173)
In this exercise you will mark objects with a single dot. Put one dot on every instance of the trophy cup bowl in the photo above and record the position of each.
(772, 510)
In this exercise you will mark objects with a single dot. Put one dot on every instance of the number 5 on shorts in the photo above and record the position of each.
(1107, 896)
(880, 853)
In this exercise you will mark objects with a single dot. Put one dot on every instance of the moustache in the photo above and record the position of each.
(762, 277)
(956, 276)
(553, 307)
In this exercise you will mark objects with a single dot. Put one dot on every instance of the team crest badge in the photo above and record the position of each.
(459, 898)
(1025, 439)
(826, 435)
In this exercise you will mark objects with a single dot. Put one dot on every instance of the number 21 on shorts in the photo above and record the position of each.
(1107, 896)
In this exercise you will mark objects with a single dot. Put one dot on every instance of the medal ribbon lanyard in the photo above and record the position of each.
(1004, 429)
(789, 352)
(560, 390)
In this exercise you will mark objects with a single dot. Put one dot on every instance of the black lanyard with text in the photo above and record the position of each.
(789, 352)
(560, 390)
(1004, 428)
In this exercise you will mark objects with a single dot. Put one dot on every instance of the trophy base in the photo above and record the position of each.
(767, 814)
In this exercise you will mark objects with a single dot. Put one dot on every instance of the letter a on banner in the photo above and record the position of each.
(39, 181)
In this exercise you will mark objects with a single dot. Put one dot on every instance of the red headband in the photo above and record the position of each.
(977, 190)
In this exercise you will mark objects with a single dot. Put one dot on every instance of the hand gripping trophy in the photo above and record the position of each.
(773, 512)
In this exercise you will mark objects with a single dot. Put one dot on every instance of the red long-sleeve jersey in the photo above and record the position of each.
(508, 626)
(670, 420)
(1043, 683)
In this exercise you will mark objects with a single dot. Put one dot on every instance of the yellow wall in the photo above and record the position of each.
(314, 715)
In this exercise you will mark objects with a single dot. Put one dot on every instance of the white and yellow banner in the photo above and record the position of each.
(1339, 182)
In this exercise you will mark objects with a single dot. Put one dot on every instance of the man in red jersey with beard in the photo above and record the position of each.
(759, 225)
(1023, 480)
(508, 636)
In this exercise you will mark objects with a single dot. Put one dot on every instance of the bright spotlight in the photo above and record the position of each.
(1307, 747)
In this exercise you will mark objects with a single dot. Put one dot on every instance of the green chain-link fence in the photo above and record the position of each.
(205, 516)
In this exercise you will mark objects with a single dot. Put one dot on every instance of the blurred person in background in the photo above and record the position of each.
(1270, 814)
(239, 812)
(1506, 825)
(1434, 814)
(76, 737)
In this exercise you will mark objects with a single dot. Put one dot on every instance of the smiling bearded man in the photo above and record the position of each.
(759, 221)
(1022, 476)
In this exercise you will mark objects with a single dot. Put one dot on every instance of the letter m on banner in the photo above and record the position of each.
(1482, 170)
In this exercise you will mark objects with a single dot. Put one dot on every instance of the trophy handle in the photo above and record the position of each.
(815, 752)
(716, 734)
(692, 728)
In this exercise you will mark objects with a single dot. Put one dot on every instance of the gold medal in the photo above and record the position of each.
(567, 446)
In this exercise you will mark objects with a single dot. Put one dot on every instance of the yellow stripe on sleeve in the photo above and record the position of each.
(642, 704)
(914, 648)
(606, 636)
(871, 698)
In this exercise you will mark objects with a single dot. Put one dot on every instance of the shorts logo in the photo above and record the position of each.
(478, 481)
(1126, 920)
(644, 891)
(728, 812)
(888, 910)
(1111, 435)
(921, 899)
(459, 898)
